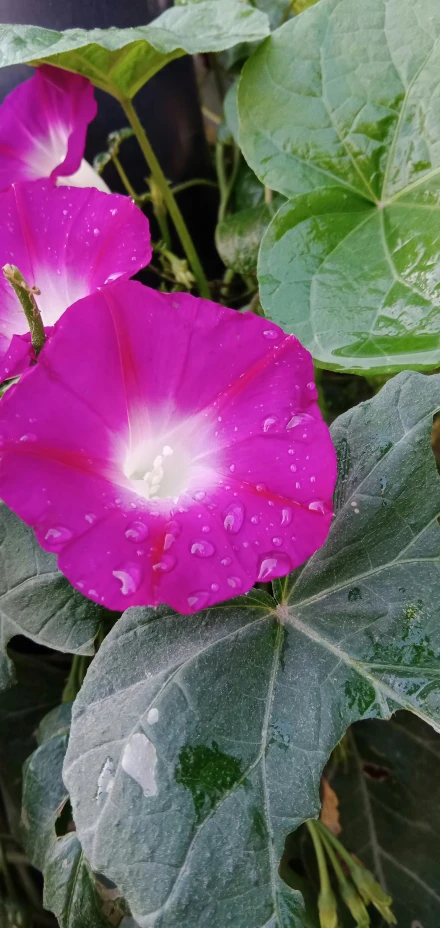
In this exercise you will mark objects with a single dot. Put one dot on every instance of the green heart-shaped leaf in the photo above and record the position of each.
(338, 110)
(210, 732)
(121, 61)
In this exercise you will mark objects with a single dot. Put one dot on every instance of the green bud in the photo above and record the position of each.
(371, 891)
(354, 903)
(328, 915)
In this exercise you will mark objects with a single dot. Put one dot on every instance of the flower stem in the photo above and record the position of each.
(121, 171)
(225, 185)
(328, 916)
(26, 295)
(168, 197)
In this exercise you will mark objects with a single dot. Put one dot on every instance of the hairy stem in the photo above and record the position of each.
(26, 295)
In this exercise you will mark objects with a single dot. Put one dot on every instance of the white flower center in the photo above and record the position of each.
(158, 475)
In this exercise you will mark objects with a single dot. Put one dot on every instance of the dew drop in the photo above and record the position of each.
(226, 561)
(202, 548)
(58, 535)
(232, 468)
(286, 516)
(277, 542)
(200, 495)
(166, 563)
(274, 564)
(96, 232)
(311, 385)
(235, 583)
(139, 761)
(29, 437)
(136, 532)
(299, 420)
(129, 578)
(106, 779)
(233, 518)
(90, 517)
(293, 468)
(198, 600)
(206, 529)
(255, 520)
(269, 423)
(152, 716)
(173, 528)
(270, 334)
(215, 587)
(317, 505)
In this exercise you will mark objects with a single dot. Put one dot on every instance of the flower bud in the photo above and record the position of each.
(328, 916)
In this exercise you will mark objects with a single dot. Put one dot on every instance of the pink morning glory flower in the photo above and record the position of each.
(43, 126)
(168, 449)
(68, 242)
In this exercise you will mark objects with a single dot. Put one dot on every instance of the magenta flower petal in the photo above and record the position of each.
(168, 450)
(43, 125)
(68, 242)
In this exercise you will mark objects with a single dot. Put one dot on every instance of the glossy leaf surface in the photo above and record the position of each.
(36, 600)
(121, 61)
(211, 749)
(338, 111)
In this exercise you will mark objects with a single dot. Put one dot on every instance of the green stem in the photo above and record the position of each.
(195, 182)
(75, 679)
(26, 295)
(320, 856)
(125, 180)
(225, 185)
(170, 203)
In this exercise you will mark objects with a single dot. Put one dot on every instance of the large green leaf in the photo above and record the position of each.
(338, 110)
(197, 742)
(390, 812)
(122, 60)
(70, 889)
(36, 600)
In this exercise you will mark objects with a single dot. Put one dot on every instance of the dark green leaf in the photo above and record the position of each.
(389, 803)
(238, 237)
(122, 60)
(210, 731)
(338, 110)
(38, 688)
(36, 600)
(70, 889)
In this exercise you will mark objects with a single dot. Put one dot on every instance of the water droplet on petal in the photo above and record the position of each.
(29, 437)
(311, 385)
(129, 578)
(286, 516)
(232, 468)
(90, 517)
(136, 532)
(235, 583)
(58, 535)
(96, 232)
(317, 505)
(269, 423)
(293, 468)
(198, 600)
(226, 561)
(274, 564)
(255, 520)
(270, 334)
(277, 542)
(174, 528)
(202, 548)
(299, 420)
(200, 495)
(166, 563)
(233, 518)
(215, 587)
